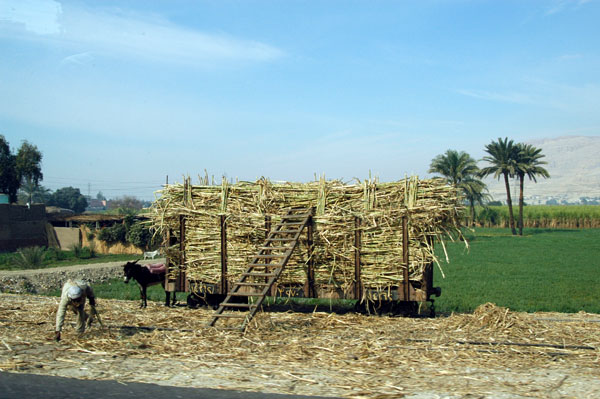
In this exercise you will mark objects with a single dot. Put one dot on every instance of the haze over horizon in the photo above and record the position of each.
(118, 95)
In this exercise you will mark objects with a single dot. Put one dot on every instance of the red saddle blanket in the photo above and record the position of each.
(157, 268)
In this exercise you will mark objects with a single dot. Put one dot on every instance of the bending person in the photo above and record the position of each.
(74, 294)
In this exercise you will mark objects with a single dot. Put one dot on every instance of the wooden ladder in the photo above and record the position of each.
(265, 268)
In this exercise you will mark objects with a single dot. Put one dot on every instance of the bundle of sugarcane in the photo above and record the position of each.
(430, 205)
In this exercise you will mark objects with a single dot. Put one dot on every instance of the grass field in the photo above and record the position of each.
(117, 289)
(544, 270)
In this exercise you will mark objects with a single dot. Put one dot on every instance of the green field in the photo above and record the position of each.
(544, 270)
(117, 289)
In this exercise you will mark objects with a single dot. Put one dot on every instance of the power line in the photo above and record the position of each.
(87, 180)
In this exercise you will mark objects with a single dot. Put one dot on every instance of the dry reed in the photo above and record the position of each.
(349, 355)
(431, 207)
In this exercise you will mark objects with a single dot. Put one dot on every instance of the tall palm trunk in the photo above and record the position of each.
(511, 216)
(521, 184)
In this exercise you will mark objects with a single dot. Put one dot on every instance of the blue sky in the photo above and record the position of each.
(119, 94)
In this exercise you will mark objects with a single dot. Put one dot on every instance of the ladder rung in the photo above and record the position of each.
(264, 256)
(283, 231)
(245, 284)
(292, 223)
(264, 265)
(231, 315)
(237, 305)
(247, 294)
(259, 274)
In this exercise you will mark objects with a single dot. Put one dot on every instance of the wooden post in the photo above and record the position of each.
(182, 280)
(267, 231)
(169, 286)
(267, 225)
(223, 287)
(405, 259)
(309, 287)
(357, 246)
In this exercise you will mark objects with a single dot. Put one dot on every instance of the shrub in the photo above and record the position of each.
(489, 215)
(92, 248)
(76, 249)
(29, 258)
(55, 254)
(114, 234)
(6, 258)
(139, 235)
(83, 252)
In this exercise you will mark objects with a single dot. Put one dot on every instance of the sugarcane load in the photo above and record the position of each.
(368, 241)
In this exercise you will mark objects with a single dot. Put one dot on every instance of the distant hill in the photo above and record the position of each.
(574, 167)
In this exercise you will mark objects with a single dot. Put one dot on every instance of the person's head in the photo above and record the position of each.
(75, 295)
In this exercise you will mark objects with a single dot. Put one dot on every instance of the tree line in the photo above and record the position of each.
(21, 174)
(506, 159)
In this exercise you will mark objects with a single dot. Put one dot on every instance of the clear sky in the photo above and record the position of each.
(119, 94)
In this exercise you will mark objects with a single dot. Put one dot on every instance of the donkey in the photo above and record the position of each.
(146, 276)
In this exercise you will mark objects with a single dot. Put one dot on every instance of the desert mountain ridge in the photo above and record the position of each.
(574, 166)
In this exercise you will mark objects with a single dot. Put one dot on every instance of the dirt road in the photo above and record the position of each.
(42, 280)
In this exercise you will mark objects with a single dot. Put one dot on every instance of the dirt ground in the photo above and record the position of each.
(492, 353)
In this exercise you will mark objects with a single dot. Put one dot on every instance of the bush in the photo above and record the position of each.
(29, 258)
(129, 231)
(55, 254)
(6, 258)
(92, 248)
(76, 249)
(83, 252)
(114, 234)
(489, 215)
(139, 235)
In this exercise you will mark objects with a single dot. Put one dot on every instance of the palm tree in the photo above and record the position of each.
(460, 170)
(503, 155)
(528, 163)
(454, 166)
(475, 192)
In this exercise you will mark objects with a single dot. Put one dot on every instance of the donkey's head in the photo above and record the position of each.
(129, 270)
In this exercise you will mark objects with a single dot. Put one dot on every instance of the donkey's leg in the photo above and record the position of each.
(168, 298)
(141, 295)
(144, 301)
(167, 293)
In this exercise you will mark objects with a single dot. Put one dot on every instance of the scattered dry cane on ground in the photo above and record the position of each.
(490, 353)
